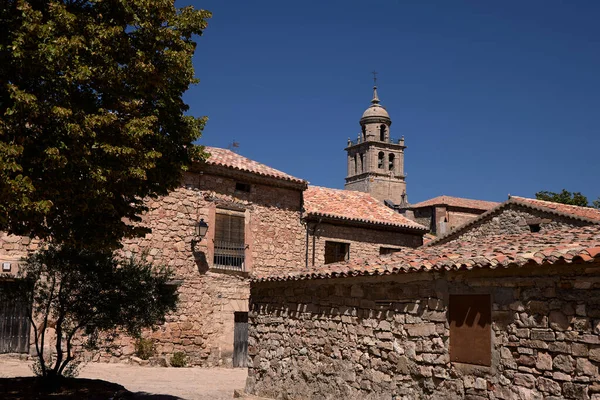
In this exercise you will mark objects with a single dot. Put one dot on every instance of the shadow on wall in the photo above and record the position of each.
(201, 261)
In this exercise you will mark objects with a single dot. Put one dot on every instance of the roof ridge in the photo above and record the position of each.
(554, 202)
(227, 158)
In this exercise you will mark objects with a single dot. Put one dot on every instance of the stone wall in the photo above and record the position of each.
(13, 249)
(202, 326)
(513, 220)
(363, 242)
(422, 216)
(388, 337)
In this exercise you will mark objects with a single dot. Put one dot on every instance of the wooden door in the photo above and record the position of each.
(14, 322)
(240, 340)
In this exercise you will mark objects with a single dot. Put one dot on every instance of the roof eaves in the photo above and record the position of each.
(363, 221)
(581, 256)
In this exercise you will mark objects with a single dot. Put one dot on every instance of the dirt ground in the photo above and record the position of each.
(185, 383)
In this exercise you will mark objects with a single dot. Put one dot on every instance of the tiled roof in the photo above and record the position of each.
(580, 213)
(566, 209)
(428, 237)
(568, 245)
(351, 205)
(229, 159)
(456, 202)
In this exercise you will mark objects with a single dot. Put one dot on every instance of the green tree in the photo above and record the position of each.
(596, 203)
(564, 197)
(88, 295)
(92, 119)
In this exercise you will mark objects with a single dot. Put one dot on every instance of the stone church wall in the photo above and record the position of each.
(363, 242)
(388, 337)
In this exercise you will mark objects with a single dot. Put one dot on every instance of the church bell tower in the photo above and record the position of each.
(375, 160)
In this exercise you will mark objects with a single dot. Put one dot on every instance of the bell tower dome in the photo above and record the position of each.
(375, 159)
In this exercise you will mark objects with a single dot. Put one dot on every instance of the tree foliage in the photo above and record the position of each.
(91, 114)
(564, 197)
(86, 296)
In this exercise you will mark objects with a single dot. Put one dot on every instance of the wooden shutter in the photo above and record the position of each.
(335, 252)
(229, 228)
(470, 329)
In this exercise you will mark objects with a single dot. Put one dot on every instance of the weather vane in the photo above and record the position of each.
(374, 77)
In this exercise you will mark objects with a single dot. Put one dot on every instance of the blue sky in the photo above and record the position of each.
(492, 97)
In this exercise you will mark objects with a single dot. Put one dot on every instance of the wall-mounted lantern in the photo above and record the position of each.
(201, 228)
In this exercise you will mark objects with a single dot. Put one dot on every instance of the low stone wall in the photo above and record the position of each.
(388, 337)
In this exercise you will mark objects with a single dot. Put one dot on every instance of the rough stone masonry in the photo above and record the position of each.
(388, 337)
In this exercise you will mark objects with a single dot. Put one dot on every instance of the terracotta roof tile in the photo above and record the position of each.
(229, 159)
(576, 211)
(456, 202)
(567, 245)
(352, 206)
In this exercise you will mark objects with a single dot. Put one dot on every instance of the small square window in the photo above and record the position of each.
(336, 251)
(388, 250)
(471, 329)
(534, 228)
(242, 187)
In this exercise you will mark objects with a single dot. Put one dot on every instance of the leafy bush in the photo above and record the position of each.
(144, 348)
(178, 360)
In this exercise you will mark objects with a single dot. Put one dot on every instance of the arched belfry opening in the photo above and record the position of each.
(382, 133)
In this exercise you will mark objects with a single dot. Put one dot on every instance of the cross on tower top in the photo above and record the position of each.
(375, 77)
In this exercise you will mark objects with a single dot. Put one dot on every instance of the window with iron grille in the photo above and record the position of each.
(230, 246)
(336, 251)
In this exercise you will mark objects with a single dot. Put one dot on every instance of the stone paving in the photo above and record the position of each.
(186, 383)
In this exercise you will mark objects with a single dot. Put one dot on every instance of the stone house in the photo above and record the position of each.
(514, 316)
(344, 224)
(521, 214)
(442, 214)
(253, 213)
(257, 223)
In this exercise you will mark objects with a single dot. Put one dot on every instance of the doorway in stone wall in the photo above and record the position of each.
(240, 340)
(14, 320)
